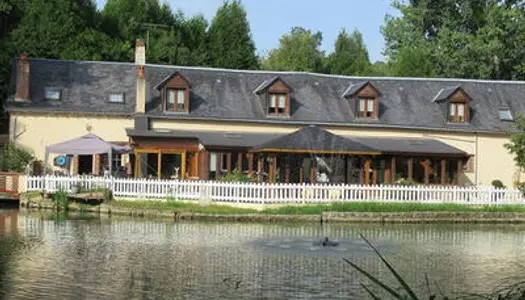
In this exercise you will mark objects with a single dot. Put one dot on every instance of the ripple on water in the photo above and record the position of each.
(354, 247)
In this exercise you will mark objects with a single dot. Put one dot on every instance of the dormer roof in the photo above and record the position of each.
(354, 88)
(266, 84)
(446, 93)
(161, 84)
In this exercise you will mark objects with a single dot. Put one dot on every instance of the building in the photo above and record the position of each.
(199, 123)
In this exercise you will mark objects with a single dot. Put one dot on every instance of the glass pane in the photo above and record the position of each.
(213, 162)
(361, 105)
(282, 101)
(505, 115)
(116, 98)
(170, 101)
(461, 109)
(52, 94)
(180, 96)
(452, 109)
(370, 106)
(171, 166)
(273, 100)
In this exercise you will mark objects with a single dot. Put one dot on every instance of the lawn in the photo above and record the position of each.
(316, 209)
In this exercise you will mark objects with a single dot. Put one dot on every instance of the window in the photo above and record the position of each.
(176, 99)
(457, 112)
(52, 94)
(367, 108)
(116, 98)
(277, 103)
(505, 115)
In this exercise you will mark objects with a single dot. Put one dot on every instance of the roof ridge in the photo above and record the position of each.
(290, 72)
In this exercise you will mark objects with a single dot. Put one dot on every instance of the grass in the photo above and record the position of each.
(390, 208)
(405, 291)
(315, 209)
(181, 206)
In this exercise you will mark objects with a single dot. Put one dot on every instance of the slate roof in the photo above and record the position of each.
(209, 139)
(353, 88)
(219, 94)
(313, 138)
(409, 146)
(445, 93)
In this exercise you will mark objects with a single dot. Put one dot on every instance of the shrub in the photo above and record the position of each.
(15, 158)
(497, 183)
(235, 176)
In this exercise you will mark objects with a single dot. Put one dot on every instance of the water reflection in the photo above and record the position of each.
(86, 257)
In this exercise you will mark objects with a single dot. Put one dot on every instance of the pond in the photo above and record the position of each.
(100, 257)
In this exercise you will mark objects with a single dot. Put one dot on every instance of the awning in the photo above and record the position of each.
(85, 145)
(313, 139)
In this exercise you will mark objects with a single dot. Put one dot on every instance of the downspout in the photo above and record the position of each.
(476, 157)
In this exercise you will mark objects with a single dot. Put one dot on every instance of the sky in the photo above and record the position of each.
(270, 19)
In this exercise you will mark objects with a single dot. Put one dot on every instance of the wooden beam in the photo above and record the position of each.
(367, 170)
(273, 168)
(410, 168)
(443, 171)
(310, 151)
(287, 169)
(260, 167)
(393, 169)
(239, 161)
(426, 167)
(249, 156)
(301, 175)
(229, 162)
(218, 165)
(460, 172)
(313, 173)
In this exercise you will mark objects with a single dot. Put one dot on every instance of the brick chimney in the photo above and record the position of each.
(22, 78)
(140, 61)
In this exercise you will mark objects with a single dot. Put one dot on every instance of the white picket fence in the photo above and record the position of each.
(262, 193)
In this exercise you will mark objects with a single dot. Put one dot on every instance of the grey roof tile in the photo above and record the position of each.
(229, 95)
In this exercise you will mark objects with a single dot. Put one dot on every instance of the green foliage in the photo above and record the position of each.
(516, 145)
(61, 200)
(463, 39)
(298, 51)
(235, 176)
(350, 56)
(230, 43)
(497, 183)
(15, 158)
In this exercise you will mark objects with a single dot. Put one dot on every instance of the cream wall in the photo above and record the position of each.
(35, 131)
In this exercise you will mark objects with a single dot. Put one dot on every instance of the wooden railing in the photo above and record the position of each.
(263, 193)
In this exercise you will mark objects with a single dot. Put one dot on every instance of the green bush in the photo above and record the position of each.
(61, 199)
(497, 183)
(235, 176)
(15, 158)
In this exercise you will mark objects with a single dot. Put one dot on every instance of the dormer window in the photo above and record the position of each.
(367, 108)
(52, 94)
(457, 112)
(366, 99)
(455, 104)
(277, 103)
(277, 95)
(176, 99)
(175, 92)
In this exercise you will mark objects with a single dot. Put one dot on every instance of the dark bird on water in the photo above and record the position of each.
(326, 243)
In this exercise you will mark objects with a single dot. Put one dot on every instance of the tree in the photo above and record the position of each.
(48, 26)
(516, 145)
(15, 159)
(298, 51)
(464, 39)
(230, 43)
(350, 56)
